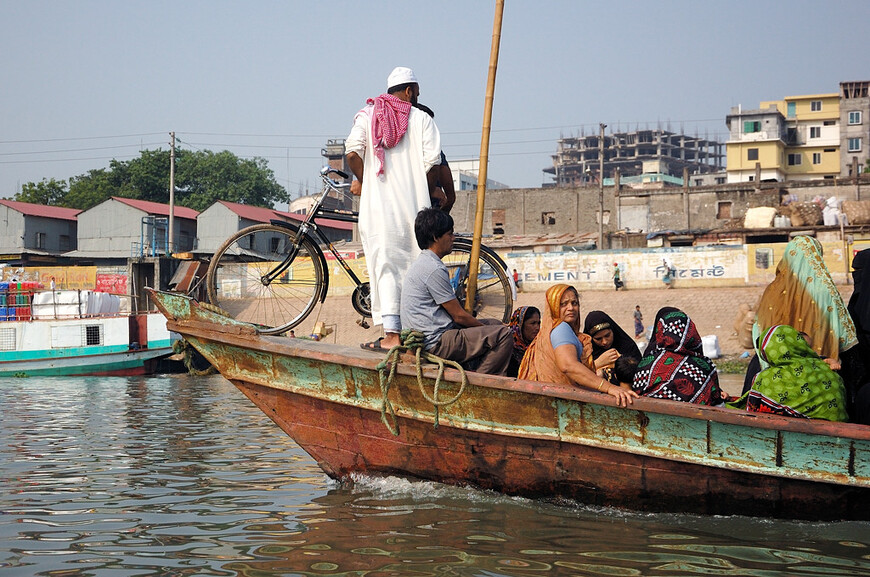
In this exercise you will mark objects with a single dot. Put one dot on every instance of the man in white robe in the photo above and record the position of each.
(391, 150)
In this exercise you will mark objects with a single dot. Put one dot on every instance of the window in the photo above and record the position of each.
(816, 105)
(720, 180)
(752, 154)
(855, 117)
(548, 218)
(751, 126)
(723, 209)
(791, 110)
(498, 218)
(64, 242)
(794, 159)
(830, 123)
(854, 145)
(815, 131)
(273, 244)
(7, 338)
(93, 335)
(699, 182)
(817, 158)
(40, 240)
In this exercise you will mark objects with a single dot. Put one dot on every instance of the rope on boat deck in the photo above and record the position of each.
(413, 341)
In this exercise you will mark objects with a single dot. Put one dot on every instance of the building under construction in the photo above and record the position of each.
(576, 161)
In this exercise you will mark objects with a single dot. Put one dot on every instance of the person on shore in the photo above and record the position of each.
(429, 304)
(561, 353)
(674, 366)
(617, 280)
(392, 150)
(670, 272)
(638, 322)
(518, 281)
(796, 382)
(525, 324)
(609, 343)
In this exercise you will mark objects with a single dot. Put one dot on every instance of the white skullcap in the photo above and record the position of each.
(400, 75)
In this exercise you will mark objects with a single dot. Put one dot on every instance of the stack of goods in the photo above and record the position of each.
(857, 211)
(802, 213)
(15, 298)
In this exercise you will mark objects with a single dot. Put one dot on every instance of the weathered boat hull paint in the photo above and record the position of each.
(534, 439)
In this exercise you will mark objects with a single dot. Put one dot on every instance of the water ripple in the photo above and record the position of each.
(183, 476)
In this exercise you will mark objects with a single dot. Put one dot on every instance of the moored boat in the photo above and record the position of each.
(534, 439)
(60, 333)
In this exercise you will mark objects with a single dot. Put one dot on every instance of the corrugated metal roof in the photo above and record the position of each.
(43, 210)
(158, 208)
(261, 214)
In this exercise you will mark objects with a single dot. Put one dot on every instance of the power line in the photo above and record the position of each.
(80, 138)
(77, 149)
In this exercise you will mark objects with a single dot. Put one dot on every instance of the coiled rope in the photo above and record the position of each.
(413, 341)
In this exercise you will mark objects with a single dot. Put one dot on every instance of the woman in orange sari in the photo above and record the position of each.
(561, 353)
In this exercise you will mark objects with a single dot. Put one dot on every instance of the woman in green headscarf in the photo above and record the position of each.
(796, 383)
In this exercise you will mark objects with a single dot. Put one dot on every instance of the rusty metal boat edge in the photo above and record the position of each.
(532, 439)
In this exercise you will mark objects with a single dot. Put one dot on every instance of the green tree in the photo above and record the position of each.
(201, 178)
(50, 192)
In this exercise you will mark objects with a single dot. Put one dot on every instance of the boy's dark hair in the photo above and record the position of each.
(430, 224)
(624, 369)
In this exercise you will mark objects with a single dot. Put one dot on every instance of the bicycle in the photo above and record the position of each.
(273, 275)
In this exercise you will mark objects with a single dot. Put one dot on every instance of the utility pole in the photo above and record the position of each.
(601, 127)
(170, 245)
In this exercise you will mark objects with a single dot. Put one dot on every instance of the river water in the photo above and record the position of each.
(181, 475)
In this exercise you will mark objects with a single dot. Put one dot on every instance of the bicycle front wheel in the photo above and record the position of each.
(265, 275)
(493, 299)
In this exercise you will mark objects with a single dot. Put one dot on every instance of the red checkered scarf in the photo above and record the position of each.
(389, 124)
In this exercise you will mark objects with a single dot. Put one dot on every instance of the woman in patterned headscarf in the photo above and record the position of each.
(561, 353)
(674, 366)
(803, 295)
(796, 383)
(525, 324)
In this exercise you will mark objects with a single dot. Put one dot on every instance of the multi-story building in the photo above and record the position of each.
(854, 126)
(816, 136)
(577, 158)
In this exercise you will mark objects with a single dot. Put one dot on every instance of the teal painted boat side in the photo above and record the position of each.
(112, 363)
(785, 456)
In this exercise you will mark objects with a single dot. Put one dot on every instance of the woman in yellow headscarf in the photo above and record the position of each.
(803, 295)
(561, 353)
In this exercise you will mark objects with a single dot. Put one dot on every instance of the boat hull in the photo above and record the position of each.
(345, 440)
(114, 345)
(535, 439)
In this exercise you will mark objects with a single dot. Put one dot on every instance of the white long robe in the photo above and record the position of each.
(390, 203)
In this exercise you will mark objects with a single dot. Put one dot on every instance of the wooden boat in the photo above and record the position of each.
(532, 439)
(64, 333)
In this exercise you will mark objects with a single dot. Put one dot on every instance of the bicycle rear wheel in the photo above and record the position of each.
(493, 299)
(240, 277)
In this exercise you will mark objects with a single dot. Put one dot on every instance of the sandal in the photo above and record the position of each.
(374, 346)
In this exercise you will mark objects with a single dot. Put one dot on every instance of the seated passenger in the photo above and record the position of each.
(609, 342)
(624, 370)
(674, 366)
(429, 304)
(796, 382)
(561, 354)
(525, 324)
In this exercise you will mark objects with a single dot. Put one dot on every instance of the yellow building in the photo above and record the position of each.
(797, 138)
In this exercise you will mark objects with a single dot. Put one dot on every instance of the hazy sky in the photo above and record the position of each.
(87, 81)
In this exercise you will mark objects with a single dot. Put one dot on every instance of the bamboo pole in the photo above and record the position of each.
(471, 291)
